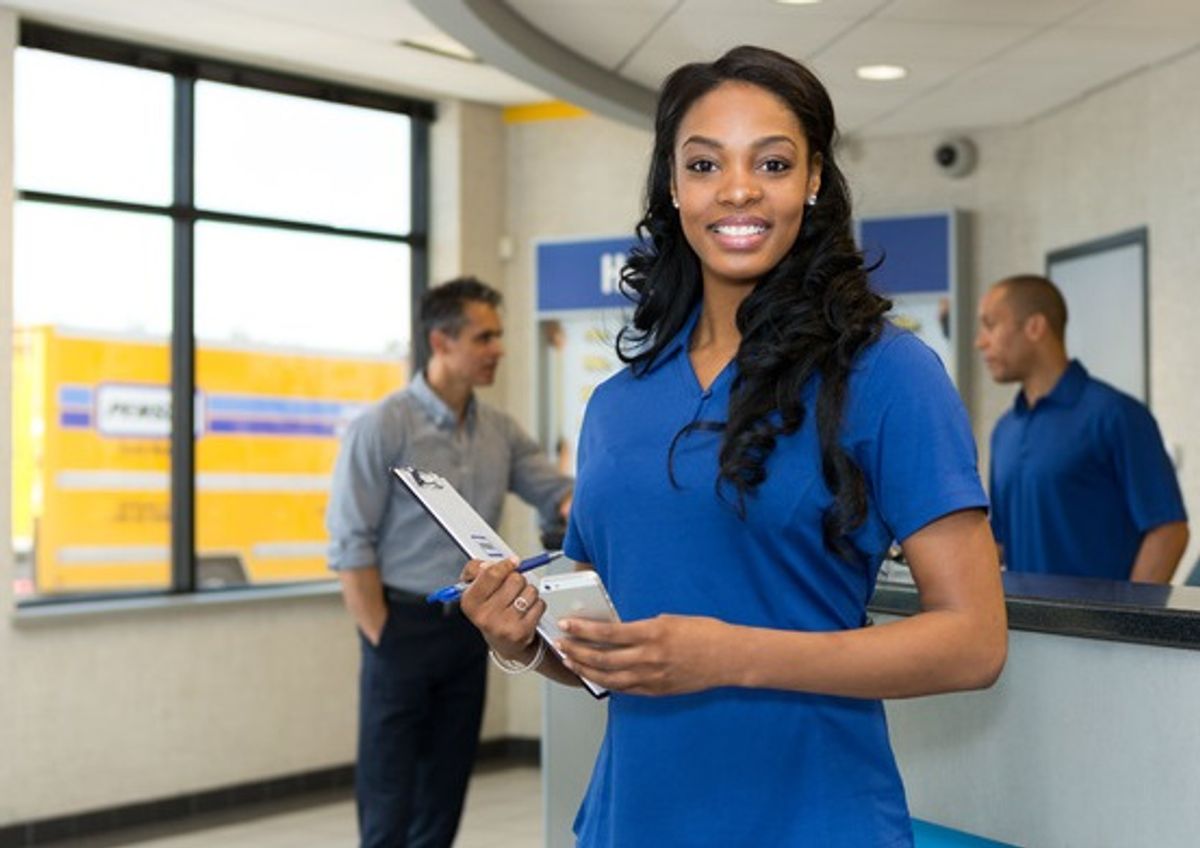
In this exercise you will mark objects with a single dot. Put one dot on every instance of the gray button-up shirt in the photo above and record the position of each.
(373, 521)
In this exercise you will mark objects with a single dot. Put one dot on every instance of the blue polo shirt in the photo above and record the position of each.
(1078, 480)
(734, 766)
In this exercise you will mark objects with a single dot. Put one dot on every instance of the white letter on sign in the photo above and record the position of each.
(610, 272)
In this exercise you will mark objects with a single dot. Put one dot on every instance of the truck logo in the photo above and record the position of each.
(133, 411)
(142, 411)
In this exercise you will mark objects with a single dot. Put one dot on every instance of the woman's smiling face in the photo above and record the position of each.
(741, 175)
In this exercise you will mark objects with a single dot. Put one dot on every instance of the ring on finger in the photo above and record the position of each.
(520, 604)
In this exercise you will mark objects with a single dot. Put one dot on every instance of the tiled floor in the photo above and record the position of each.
(504, 810)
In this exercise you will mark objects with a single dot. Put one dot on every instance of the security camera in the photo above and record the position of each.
(955, 157)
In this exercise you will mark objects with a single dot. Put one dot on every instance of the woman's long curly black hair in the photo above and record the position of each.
(811, 315)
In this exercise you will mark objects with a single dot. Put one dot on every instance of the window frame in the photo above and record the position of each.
(186, 69)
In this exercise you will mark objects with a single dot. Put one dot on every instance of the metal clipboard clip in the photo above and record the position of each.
(426, 479)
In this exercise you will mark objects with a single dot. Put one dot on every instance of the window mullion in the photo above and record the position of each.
(419, 270)
(183, 349)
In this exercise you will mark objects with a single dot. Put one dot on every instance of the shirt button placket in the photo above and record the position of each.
(462, 463)
(1026, 430)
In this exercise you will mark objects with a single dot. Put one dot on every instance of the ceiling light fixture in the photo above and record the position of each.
(881, 73)
(444, 47)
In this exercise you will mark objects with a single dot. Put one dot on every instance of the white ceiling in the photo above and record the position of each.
(971, 63)
(351, 40)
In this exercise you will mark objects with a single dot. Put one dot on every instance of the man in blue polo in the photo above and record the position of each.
(1080, 481)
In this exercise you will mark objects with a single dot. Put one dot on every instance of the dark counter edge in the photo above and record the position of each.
(1166, 616)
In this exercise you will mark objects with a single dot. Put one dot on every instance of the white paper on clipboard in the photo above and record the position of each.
(473, 535)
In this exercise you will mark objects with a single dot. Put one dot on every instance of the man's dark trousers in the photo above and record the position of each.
(421, 693)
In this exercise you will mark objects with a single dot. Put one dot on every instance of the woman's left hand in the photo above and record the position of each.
(665, 655)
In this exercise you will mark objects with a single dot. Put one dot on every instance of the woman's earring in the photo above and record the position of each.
(675, 201)
(812, 199)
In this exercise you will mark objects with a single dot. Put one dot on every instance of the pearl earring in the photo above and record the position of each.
(675, 201)
(812, 200)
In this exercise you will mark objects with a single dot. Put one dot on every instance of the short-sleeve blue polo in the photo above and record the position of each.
(735, 766)
(1079, 479)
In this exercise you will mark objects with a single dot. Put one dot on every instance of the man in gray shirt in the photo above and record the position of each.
(424, 665)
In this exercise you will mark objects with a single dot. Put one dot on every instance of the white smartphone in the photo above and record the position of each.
(574, 594)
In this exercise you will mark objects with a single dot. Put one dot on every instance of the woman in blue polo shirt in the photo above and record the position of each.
(738, 486)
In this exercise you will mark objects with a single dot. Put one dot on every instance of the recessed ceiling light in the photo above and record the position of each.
(881, 73)
(445, 47)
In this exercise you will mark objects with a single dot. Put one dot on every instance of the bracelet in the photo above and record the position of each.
(515, 667)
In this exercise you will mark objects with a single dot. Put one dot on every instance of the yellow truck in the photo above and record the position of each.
(91, 458)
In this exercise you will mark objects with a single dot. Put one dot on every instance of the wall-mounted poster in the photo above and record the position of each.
(580, 311)
(919, 260)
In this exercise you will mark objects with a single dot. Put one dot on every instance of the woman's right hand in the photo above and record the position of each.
(503, 605)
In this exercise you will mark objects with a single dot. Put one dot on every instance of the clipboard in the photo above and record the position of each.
(474, 536)
(471, 533)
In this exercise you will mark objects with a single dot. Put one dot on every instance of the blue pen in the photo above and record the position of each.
(448, 594)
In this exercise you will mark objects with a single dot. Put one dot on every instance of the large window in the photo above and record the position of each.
(246, 241)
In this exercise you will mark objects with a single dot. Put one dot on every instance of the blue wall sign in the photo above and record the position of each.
(584, 274)
(915, 250)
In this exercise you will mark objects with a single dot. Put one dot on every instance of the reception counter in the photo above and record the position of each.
(1089, 738)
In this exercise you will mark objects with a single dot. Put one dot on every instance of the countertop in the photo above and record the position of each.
(1085, 607)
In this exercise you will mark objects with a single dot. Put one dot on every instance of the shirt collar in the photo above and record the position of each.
(437, 409)
(1065, 392)
(678, 342)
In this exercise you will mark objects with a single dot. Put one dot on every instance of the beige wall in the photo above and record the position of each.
(124, 707)
(466, 219)
(566, 178)
(574, 177)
